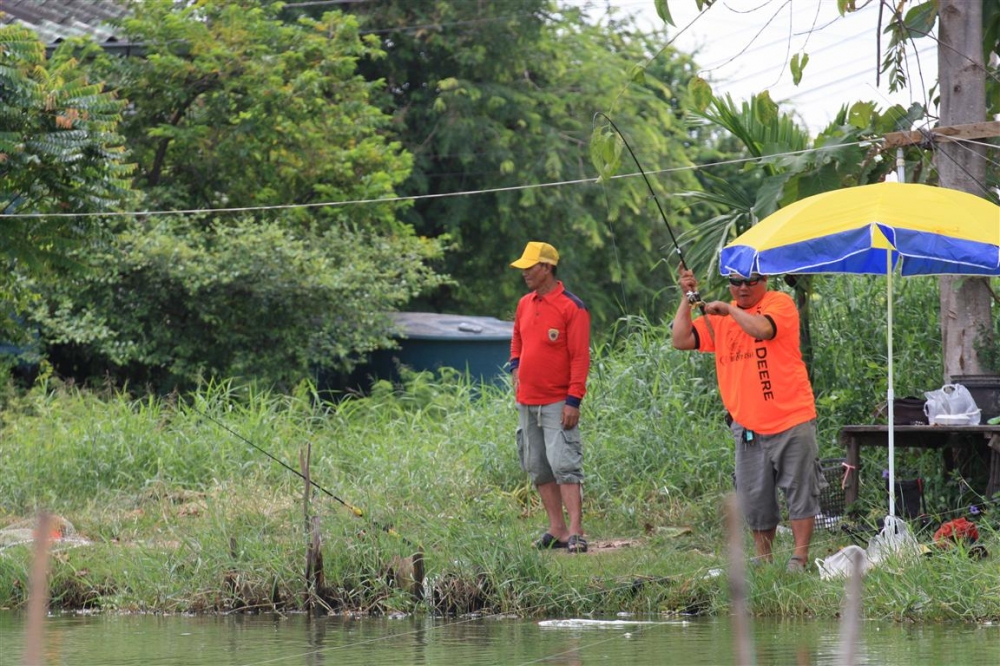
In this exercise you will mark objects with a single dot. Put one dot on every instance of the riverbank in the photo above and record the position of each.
(243, 549)
(195, 504)
(219, 527)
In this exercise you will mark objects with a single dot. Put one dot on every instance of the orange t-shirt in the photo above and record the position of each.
(764, 383)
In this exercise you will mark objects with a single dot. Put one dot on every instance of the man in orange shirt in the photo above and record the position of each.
(766, 390)
(549, 361)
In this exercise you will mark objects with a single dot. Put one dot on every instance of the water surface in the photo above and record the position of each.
(149, 640)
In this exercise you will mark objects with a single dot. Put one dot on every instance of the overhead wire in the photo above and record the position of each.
(417, 197)
(987, 193)
(981, 144)
(439, 195)
(808, 88)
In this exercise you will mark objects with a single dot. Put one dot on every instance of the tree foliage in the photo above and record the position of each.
(497, 100)
(60, 152)
(232, 108)
(174, 301)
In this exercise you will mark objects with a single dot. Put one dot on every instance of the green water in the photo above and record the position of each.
(81, 640)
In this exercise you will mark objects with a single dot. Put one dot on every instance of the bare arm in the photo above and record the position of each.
(758, 327)
(682, 332)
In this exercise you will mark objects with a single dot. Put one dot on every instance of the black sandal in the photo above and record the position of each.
(577, 544)
(547, 541)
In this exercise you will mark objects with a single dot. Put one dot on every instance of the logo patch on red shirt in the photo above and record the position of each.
(553, 334)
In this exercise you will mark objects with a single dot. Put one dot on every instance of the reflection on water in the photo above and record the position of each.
(297, 640)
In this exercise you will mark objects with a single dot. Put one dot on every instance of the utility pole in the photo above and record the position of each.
(966, 321)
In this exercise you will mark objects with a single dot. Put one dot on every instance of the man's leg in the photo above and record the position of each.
(552, 500)
(756, 490)
(800, 477)
(763, 540)
(564, 456)
(572, 499)
(802, 530)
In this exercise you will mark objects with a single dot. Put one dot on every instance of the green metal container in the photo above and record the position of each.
(479, 346)
(431, 341)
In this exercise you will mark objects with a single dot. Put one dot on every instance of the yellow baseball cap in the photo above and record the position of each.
(537, 253)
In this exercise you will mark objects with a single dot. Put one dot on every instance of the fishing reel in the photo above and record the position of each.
(694, 298)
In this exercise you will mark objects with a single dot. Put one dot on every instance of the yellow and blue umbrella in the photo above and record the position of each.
(874, 229)
(927, 230)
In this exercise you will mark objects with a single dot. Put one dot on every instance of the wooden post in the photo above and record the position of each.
(965, 302)
(984, 130)
(850, 615)
(314, 551)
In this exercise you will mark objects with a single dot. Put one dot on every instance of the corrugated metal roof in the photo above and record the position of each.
(57, 20)
(434, 326)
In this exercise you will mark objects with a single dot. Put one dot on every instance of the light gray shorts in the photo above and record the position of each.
(547, 452)
(787, 460)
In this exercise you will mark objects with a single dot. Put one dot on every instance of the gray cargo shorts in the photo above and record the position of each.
(788, 461)
(547, 452)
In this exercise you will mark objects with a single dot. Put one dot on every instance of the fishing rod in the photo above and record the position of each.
(693, 296)
(350, 507)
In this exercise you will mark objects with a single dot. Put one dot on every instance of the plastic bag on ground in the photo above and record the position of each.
(842, 562)
(895, 540)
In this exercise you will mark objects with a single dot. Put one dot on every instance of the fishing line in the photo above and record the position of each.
(350, 507)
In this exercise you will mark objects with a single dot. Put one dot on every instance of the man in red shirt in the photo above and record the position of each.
(766, 390)
(549, 361)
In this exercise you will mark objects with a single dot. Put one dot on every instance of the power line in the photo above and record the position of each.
(401, 199)
(442, 195)
(800, 13)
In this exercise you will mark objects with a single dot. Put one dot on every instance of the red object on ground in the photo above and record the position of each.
(957, 529)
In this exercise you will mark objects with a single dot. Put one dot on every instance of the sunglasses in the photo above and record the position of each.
(737, 282)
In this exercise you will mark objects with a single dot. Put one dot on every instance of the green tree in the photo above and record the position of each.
(498, 100)
(60, 152)
(174, 302)
(232, 108)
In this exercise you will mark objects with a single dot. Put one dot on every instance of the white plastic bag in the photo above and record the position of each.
(843, 562)
(953, 402)
(895, 541)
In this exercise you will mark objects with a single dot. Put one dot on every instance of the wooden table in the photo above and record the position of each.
(853, 437)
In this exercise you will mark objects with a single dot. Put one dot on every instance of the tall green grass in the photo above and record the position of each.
(187, 513)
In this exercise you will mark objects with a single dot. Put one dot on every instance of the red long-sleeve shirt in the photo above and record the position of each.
(550, 348)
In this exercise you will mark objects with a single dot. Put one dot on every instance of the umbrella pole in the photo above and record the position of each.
(890, 391)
